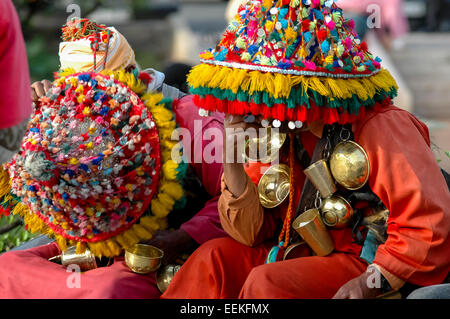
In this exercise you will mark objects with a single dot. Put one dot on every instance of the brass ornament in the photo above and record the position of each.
(273, 187)
(165, 275)
(86, 261)
(336, 211)
(273, 140)
(320, 176)
(349, 165)
(143, 259)
(310, 226)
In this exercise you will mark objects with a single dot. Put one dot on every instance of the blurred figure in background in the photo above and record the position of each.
(393, 24)
(15, 101)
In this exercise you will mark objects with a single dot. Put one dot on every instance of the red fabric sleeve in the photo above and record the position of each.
(15, 95)
(205, 225)
(405, 175)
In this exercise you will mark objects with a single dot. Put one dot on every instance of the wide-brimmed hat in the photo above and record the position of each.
(95, 168)
(296, 60)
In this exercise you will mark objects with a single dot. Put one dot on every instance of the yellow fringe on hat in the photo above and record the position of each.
(280, 85)
(5, 182)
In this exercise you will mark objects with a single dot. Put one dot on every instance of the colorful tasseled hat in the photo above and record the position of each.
(95, 168)
(291, 60)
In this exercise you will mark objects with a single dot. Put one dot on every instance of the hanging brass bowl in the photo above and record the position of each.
(349, 165)
(336, 211)
(274, 142)
(273, 187)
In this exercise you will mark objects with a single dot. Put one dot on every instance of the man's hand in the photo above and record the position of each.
(358, 288)
(39, 89)
(173, 243)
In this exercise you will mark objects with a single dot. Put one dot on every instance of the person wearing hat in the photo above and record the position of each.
(96, 171)
(15, 103)
(298, 66)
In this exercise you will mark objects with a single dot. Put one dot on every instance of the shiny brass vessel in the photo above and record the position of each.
(349, 165)
(273, 140)
(143, 259)
(273, 187)
(320, 175)
(165, 275)
(336, 211)
(86, 261)
(310, 226)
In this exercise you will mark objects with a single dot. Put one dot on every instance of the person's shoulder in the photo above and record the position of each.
(388, 119)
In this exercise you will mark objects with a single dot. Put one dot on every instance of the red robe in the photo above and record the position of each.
(404, 174)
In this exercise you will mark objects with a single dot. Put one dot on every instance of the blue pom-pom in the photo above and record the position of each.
(220, 56)
(84, 77)
(283, 13)
(252, 49)
(318, 14)
(307, 36)
(84, 167)
(104, 111)
(325, 46)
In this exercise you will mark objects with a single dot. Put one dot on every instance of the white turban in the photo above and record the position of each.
(79, 55)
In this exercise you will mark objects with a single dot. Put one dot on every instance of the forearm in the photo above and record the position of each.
(235, 178)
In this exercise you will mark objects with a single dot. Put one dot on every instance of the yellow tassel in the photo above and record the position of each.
(280, 86)
(81, 248)
(172, 189)
(5, 182)
(170, 170)
(141, 232)
(150, 223)
(115, 249)
(158, 209)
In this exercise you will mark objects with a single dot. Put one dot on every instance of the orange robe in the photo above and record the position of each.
(405, 176)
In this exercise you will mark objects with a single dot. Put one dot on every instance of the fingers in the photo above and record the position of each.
(39, 89)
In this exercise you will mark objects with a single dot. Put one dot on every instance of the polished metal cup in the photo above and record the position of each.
(336, 212)
(319, 174)
(273, 187)
(165, 275)
(143, 259)
(312, 229)
(86, 261)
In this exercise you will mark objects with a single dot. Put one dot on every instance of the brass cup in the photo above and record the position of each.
(143, 259)
(336, 211)
(312, 229)
(274, 142)
(349, 165)
(273, 187)
(165, 275)
(85, 261)
(320, 175)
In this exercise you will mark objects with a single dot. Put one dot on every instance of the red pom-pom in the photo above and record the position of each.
(364, 46)
(306, 24)
(145, 77)
(286, 2)
(322, 34)
(228, 38)
(233, 56)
